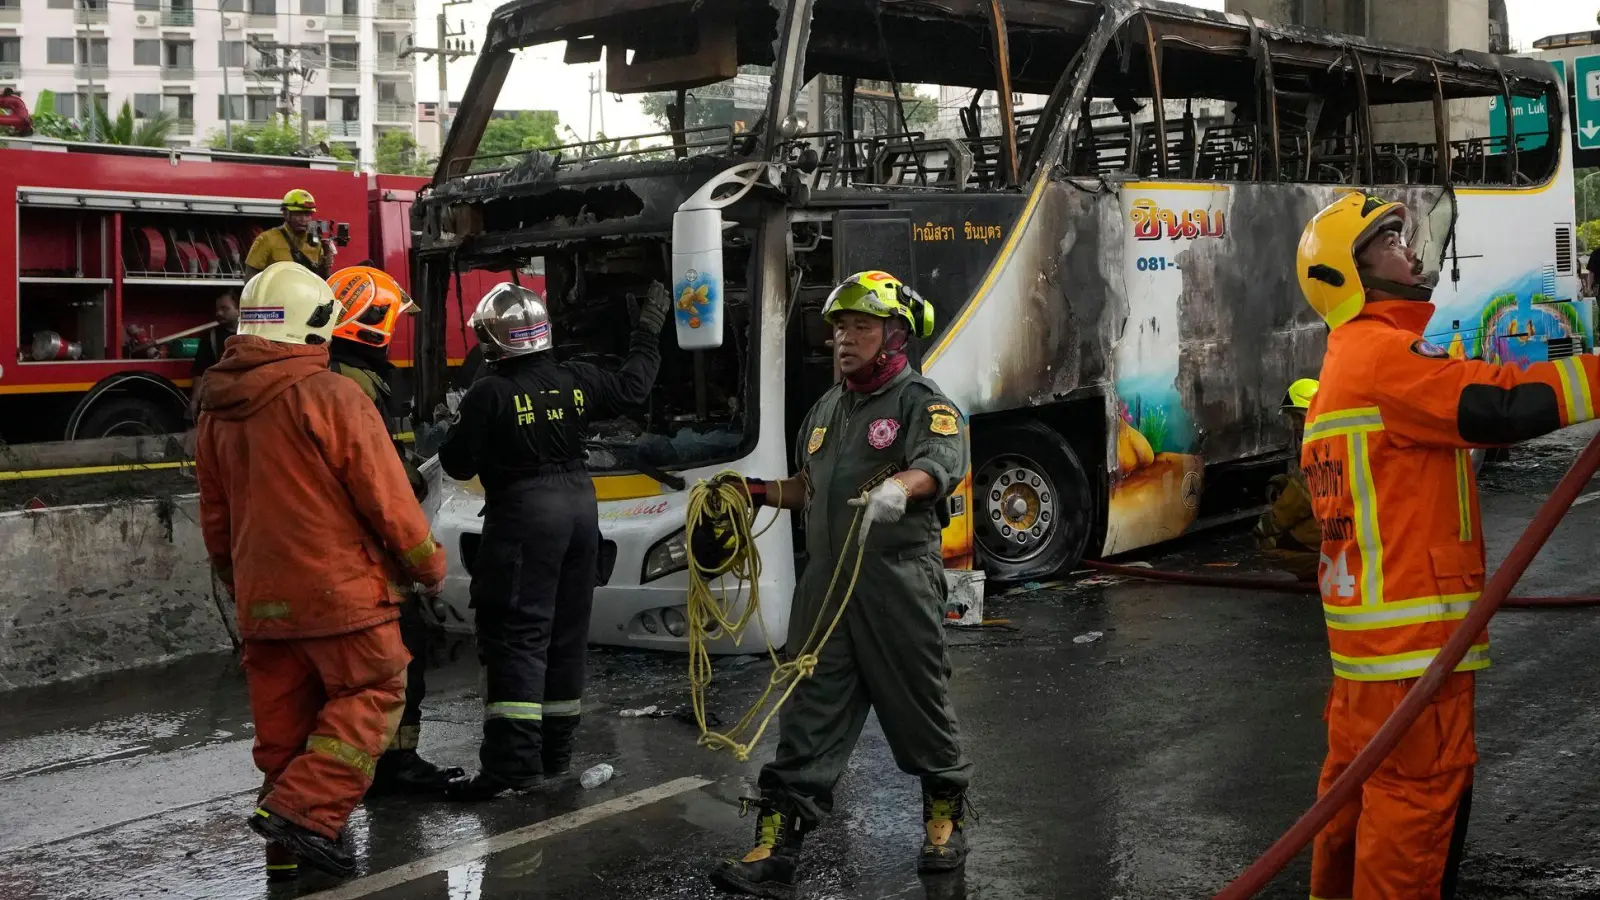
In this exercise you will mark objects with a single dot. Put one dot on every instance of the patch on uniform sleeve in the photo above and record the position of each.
(943, 423)
(1429, 350)
(814, 443)
(882, 432)
(945, 408)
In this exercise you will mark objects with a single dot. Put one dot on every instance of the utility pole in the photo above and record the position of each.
(285, 67)
(449, 48)
(227, 94)
(88, 55)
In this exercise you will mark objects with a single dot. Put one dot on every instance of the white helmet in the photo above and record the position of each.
(511, 320)
(288, 304)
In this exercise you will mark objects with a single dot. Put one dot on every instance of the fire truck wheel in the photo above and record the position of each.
(129, 417)
(1032, 501)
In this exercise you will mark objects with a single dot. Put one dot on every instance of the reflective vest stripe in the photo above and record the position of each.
(354, 757)
(1368, 540)
(562, 708)
(1394, 615)
(1464, 493)
(1344, 422)
(420, 552)
(1575, 391)
(513, 710)
(1402, 665)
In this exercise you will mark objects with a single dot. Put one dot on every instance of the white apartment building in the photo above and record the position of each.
(191, 59)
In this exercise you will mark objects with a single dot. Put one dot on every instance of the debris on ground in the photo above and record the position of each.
(637, 713)
(1088, 637)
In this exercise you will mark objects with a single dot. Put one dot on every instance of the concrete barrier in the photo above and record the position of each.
(91, 589)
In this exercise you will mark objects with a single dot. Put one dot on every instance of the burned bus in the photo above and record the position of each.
(1112, 261)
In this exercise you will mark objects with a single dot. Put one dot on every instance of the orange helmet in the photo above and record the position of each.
(373, 302)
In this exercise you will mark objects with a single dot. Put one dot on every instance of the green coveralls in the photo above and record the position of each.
(888, 652)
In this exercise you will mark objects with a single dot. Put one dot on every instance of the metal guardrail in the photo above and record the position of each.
(183, 127)
(10, 15)
(387, 9)
(342, 23)
(393, 62)
(339, 75)
(397, 112)
(178, 18)
(98, 71)
(90, 16)
(177, 73)
(261, 20)
(344, 129)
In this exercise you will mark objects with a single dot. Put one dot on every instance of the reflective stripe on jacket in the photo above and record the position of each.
(1386, 460)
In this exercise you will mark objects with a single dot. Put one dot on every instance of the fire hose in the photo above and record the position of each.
(1495, 593)
(1291, 586)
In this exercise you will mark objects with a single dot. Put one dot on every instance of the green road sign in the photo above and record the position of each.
(1586, 97)
(1531, 114)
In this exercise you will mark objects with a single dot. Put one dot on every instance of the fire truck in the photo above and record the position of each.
(118, 256)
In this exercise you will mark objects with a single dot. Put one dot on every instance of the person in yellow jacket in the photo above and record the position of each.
(293, 241)
(1288, 532)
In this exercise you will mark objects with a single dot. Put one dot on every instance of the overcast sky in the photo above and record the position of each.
(539, 80)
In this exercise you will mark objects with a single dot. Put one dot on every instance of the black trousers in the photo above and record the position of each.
(414, 632)
(532, 589)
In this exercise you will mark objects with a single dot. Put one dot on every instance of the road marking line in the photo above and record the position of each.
(1587, 498)
(473, 850)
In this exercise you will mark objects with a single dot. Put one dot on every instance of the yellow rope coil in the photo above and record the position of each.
(712, 613)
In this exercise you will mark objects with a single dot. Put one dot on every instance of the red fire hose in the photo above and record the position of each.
(1367, 761)
(1291, 586)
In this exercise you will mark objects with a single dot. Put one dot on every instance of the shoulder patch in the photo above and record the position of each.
(1429, 350)
(945, 408)
(944, 423)
(814, 443)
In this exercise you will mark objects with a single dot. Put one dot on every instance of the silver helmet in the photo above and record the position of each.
(511, 321)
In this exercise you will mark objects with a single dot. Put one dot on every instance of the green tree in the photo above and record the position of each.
(527, 130)
(129, 132)
(1589, 235)
(396, 154)
(51, 124)
(278, 138)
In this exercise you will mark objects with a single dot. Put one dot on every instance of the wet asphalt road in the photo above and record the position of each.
(1154, 762)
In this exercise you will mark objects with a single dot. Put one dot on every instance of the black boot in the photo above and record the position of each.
(556, 749)
(281, 864)
(769, 869)
(484, 786)
(405, 772)
(944, 844)
(313, 849)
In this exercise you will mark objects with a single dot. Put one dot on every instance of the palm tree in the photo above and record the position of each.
(149, 132)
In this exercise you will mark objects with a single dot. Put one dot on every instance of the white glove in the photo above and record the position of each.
(886, 503)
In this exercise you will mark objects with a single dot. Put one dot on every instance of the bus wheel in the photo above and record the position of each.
(129, 417)
(1032, 501)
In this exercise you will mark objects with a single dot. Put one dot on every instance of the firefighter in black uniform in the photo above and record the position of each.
(373, 303)
(521, 429)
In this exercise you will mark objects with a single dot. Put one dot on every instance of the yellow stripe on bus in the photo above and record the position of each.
(91, 470)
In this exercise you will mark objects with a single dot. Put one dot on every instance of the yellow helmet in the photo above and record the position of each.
(1300, 394)
(882, 295)
(288, 304)
(299, 200)
(1326, 260)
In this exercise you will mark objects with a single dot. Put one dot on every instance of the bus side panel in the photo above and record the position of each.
(1516, 300)
(956, 539)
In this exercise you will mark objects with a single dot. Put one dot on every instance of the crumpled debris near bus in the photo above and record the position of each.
(637, 713)
(1088, 637)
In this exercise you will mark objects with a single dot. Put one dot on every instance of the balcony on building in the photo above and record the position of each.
(10, 12)
(396, 112)
(89, 12)
(345, 131)
(96, 72)
(184, 127)
(261, 14)
(393, 63)
(177, 16)
(403, 10)
(346, 24)
(343, 71)
(177, 73)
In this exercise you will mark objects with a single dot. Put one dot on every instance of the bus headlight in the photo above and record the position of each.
(670, 554)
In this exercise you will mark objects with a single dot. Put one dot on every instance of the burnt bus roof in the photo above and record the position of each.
(925, 34)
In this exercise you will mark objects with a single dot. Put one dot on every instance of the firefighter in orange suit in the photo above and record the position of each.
(1386, 459)
(311, 524)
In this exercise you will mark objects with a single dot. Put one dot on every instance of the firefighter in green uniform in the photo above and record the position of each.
(888, 446)
(1288, 532)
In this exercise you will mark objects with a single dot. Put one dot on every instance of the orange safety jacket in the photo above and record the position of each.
(1386, 460)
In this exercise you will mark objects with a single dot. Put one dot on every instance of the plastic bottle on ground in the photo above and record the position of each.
(596, 776)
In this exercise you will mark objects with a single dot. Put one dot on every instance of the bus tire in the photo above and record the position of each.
(129, 416)
(1033, 504)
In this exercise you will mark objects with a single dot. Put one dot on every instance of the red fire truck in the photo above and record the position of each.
(117, 249)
